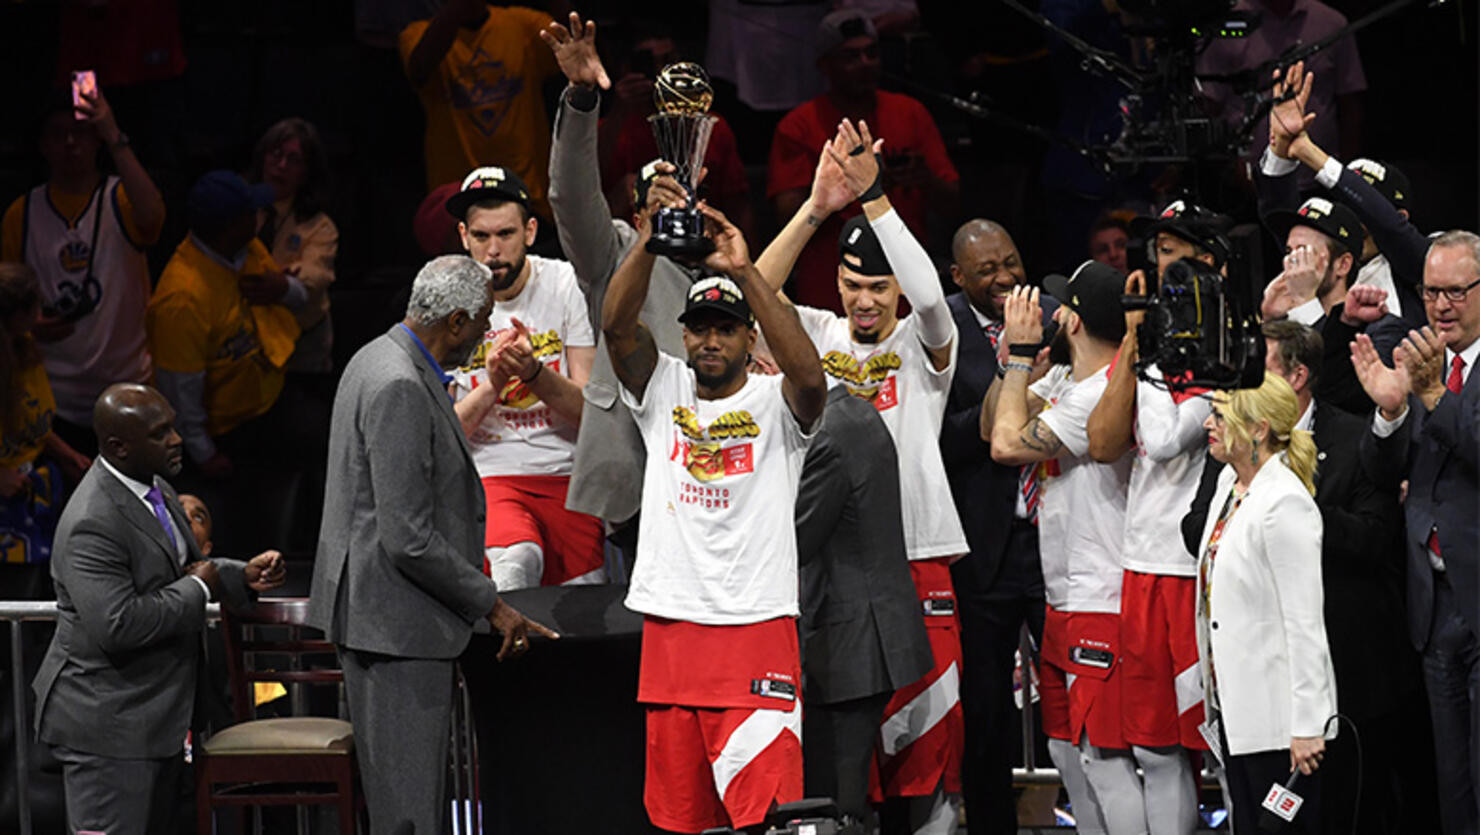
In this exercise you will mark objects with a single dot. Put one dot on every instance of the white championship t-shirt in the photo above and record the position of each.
(1171, 446)
(717, 541)
(897, 376)
(521, 435)
(1081, 510)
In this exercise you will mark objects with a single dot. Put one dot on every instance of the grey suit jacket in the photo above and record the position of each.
(862, 628)
(119, 679)
(399, 563)
(609, 452)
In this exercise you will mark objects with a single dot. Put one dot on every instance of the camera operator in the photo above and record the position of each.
(1163, 428)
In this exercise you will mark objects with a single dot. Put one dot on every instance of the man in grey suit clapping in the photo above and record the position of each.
(398, 582)
(115, 693)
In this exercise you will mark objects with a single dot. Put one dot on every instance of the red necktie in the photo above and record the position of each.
(1455, 384)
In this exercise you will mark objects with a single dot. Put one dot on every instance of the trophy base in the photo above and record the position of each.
(679, 233)
(687, 247)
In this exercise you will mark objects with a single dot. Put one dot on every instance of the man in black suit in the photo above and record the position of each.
(117, 689)
(999, 584)
(862, 628)
(1427, 429)
(1361, 575)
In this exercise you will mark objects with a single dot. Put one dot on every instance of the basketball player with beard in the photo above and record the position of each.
(519, 395)
(716, 569)
(903, 366)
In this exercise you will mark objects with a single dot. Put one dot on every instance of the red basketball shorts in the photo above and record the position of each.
(922, 736)
(1079, 688)
(1161, 683)
(532, 509)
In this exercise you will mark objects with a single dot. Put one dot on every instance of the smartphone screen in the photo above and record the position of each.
(84, 84)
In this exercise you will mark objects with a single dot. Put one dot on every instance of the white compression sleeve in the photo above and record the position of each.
(917, 278)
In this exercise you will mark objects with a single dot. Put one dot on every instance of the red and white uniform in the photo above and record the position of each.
(522, 449)
(1158, 634)
(921, 739)
(716, 574)
(1081, 524)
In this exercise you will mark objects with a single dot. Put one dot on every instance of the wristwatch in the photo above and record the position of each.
(119, 143)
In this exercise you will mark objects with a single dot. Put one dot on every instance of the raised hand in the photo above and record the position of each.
(1388, 387)
(1288, 119)
(1302, 273)
(1277, 301)
(1135, 285)
(852, 154)
(830, 191)
(1364, 305)
(94, 108)
(575, 52)
(731, 256)
(517, 358)
(1022, 317)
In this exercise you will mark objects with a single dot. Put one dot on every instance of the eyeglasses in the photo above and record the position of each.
(1454, 294)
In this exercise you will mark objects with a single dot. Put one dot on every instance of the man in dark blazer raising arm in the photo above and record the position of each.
(398, 582)
(116, 691)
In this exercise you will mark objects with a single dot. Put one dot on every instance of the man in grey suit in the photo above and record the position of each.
(116, 691)
(609, 452)
(398, 582)
(862, 629)
(1427, 430)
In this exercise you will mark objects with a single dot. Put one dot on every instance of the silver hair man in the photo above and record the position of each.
(446, 284)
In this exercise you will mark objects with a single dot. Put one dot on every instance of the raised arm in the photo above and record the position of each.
(143, 195)
(829, 193)
(804, 387)
(441, 31)
(1112, 423)
(912, 266)
(629, 343)
(1019, 435)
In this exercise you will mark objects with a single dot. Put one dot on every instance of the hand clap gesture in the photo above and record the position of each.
(856, 153)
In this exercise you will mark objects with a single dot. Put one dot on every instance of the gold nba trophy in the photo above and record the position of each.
(682, 127)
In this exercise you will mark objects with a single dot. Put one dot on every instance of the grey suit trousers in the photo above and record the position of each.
(401, 709)
(121, 796)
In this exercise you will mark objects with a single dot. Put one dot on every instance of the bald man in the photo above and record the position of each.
(999, 585)
(116, 691)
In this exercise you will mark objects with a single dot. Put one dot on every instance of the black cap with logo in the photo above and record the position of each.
(1093, 292)
(1190, 222)
(719, 294)
(1387, 179)
(859, 248)
(490, 182)
(1332, 219)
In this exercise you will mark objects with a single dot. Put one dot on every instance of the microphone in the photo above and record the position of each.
(1281, 804)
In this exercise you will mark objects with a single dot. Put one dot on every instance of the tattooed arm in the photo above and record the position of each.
(1018, 435)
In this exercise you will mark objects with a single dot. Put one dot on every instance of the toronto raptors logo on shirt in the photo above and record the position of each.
(704, 453)
(873, 379)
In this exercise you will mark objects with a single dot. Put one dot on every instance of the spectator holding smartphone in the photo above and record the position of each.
(84, 232)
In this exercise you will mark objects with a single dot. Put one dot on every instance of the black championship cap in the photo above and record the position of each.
(1388, 180)
(1336, 221)
(487, 183)
(717, 293)
(859, 249)
(1093, 292)
(1190, 222)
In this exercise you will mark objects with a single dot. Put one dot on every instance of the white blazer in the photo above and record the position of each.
(1267, 630)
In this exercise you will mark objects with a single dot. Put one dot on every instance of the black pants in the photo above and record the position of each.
(1249, 777)
(993, 611)
(838, 746)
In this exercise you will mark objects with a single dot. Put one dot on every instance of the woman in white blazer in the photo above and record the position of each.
(1261, 633)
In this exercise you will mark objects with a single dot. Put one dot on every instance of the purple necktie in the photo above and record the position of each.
(156, 501)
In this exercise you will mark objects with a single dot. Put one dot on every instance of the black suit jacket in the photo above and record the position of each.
(985, 492)
(1403, 245)
(862, 628)
(1361, 572)
(1436, 451)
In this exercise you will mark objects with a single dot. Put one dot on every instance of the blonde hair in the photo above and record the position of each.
(1274, 402)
